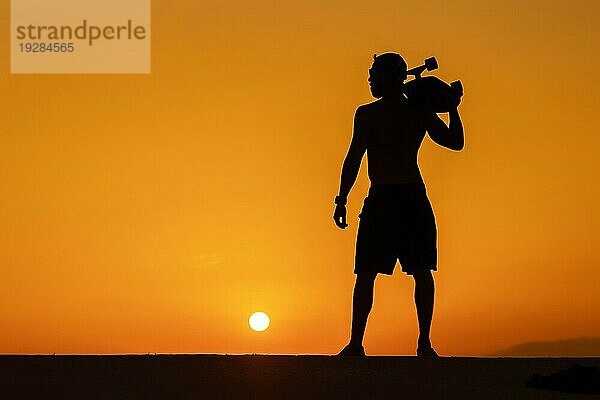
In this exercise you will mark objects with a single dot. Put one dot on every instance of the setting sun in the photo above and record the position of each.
(259, 321)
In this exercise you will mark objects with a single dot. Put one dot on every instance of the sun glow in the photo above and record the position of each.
(259, 321)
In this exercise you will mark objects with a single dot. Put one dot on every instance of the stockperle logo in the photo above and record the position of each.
(80, 36)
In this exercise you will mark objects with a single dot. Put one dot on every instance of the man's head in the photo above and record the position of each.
(387, 73)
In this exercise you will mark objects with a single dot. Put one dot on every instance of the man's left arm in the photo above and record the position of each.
(452, 136)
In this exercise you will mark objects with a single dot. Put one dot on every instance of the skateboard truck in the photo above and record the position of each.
(430, 65)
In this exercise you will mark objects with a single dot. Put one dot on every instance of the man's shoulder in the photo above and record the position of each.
(408, 110)
(369, 106)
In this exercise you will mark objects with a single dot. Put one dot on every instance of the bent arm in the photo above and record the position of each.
(452, 136)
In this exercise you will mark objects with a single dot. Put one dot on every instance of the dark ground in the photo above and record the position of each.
(275, 377)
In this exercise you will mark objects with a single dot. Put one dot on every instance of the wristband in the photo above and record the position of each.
(340, 201)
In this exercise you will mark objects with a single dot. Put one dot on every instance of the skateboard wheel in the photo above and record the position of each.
(431, 64)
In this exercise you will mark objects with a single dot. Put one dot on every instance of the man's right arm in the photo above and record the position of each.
(351, 166)
(353, 159)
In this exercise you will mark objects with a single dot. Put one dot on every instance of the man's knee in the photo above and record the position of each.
(366, 278)
(423, 277)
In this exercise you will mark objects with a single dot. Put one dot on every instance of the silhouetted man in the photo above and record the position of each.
(396, 220)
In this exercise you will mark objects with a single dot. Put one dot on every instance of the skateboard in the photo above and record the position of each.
(431, 92)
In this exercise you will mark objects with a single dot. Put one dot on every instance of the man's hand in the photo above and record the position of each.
(455, 102)
(339, 216)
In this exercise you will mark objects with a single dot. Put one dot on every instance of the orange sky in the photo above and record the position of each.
(154, 213)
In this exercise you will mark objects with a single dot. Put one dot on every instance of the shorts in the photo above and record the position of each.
(396, 223)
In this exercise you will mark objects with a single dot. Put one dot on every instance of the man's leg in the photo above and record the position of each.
(424, 295)
(362, 302)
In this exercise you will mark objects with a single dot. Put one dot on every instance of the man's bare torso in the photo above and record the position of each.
(393, 134)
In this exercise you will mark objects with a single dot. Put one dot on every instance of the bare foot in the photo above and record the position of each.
(426, 351)
(352, 351)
